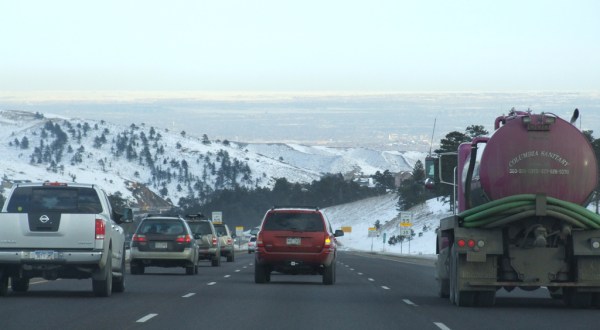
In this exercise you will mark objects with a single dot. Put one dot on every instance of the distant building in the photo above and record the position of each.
(400, 177)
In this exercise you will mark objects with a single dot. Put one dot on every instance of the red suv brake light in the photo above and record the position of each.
(327, 243)
(259, 240)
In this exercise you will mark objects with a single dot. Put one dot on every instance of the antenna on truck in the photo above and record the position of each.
(433, 132)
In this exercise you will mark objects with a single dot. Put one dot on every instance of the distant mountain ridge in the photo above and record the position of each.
(40, 147)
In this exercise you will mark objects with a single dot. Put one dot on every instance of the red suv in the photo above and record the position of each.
(295, 240)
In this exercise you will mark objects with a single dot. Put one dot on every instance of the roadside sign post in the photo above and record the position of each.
(239, 231)
(217, 217)
(406, 231)
(372, 234)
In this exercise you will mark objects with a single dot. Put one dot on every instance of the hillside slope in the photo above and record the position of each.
(40, 147)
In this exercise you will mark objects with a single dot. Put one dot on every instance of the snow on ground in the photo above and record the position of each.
(362, 215)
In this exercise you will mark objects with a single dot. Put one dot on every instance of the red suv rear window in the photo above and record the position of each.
(277, 221)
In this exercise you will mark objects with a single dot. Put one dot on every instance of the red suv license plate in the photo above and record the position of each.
(293, 241)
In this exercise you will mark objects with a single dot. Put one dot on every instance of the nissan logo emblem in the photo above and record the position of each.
(44, 218)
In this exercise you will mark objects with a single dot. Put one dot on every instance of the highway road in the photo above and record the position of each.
(372, 292)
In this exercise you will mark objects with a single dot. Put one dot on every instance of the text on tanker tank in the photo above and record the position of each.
(536, 153)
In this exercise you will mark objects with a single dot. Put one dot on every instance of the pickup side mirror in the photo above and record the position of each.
(338, 233)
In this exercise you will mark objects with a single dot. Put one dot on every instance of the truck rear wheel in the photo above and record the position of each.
(103, 287)
(443, 283)
(119, 281)
(459, 297)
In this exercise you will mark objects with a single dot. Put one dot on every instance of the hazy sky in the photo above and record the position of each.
(285, 45)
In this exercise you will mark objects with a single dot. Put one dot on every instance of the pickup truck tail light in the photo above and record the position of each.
(100, 229)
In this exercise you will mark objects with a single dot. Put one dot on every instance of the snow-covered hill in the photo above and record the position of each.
(362, 215)
(171, 164)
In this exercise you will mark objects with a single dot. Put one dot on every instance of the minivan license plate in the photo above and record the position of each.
(293, 241)
(160, 245)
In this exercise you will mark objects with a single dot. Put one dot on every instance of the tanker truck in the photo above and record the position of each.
(520, 219)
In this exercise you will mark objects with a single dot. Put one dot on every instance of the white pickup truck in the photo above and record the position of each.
(58, 230)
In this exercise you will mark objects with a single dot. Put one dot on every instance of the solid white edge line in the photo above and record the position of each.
(441, 325)
(188, 295)
(146, 318)
(408, 302)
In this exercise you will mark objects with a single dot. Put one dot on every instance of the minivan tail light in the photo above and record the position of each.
(100, 229)
(214, 240)
(183, 239)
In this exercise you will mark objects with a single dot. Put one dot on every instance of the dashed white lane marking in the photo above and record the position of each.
(441, 325)
(188, 295)
(237, 270)
(146, 318)
(360, 273)
(245, 267)
(211, 283)
(385, 287)
(372, 280)
(227, 276)
(408, 302)
(351, 268)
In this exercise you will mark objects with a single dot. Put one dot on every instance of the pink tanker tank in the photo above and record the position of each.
(530, 154)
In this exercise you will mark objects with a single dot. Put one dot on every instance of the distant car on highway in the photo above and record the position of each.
(226, 241)
(209, 245)
(252, 244)
(163, 241)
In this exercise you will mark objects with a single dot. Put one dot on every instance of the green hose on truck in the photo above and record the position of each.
(513, 208)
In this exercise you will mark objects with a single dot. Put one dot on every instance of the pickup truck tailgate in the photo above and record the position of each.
(48, 230)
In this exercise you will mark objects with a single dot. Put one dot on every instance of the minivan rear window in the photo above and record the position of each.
(56, 199)
(311, 222)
